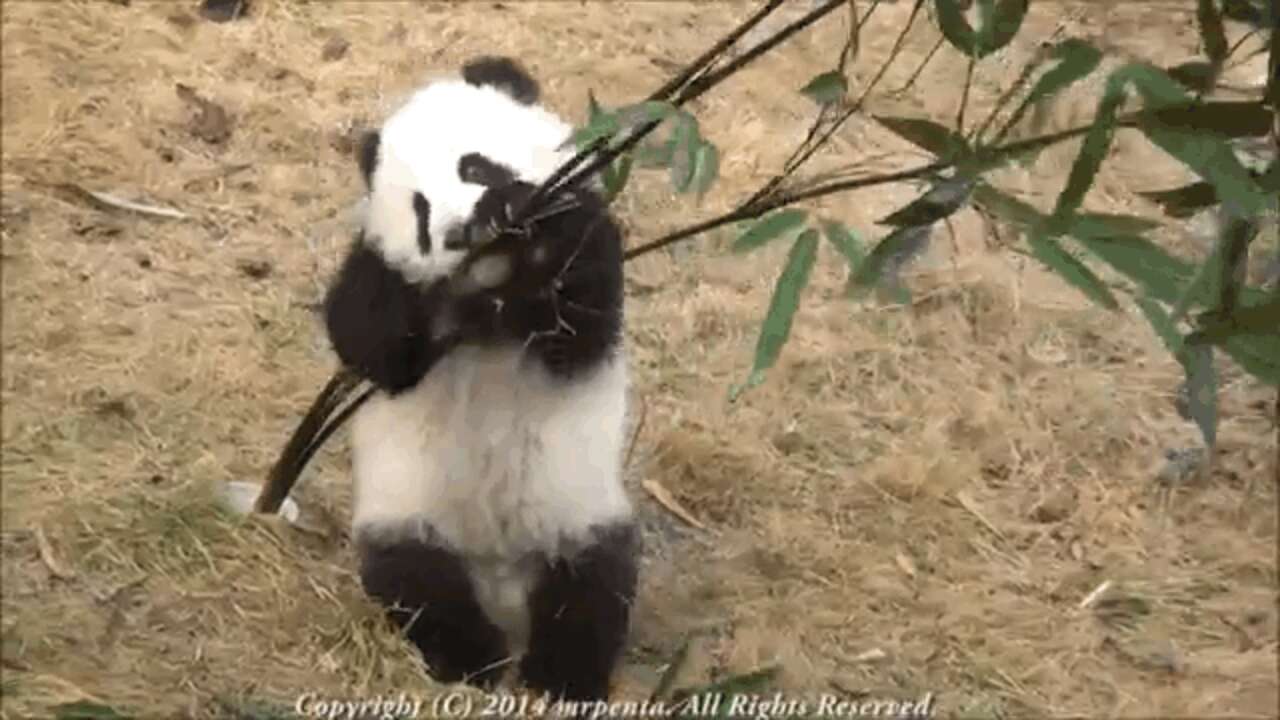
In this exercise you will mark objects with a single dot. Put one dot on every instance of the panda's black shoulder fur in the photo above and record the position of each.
(379, 323)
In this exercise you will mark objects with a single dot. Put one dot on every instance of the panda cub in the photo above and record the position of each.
(489, 511)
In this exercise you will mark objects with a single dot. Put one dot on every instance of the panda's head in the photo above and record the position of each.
(431, 162)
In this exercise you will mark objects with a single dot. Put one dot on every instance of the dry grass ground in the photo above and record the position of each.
(915, 501)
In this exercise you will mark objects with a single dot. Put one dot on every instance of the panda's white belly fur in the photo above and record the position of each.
(500, 460)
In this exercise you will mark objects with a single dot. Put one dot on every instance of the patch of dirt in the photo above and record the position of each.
(913, 502)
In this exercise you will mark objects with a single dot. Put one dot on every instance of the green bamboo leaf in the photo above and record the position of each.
(1224, 275)
(1092, 152)
(640, 113)
(1269, 180)
(1251, 12)
(1185, 201)
(85, 710)
(1208, 155)
(770, 228)
(987, 157)
(826, 88)
(1001, 27)
(1076, 60)
(1000, 22)
(942, 200)
(1212, 159)
(603, 123)
(1223, 118)
(1006, 207)
(1262, 318)
(1110, 224)
(600, 124)
(926, 134)
(776, 328)
(706, 168)
(1257, 353)
(683, 161)
(1159, 274)
(1212, 278)
(1195, 355)
(594, 110)
(615, 176)
(846, 242)
(1114, 239)
(655, 155)
(887, 257)
(955, 28)
(1202, 387)
(1196, 75)
(1020, 213)
(1212, 35)
(1157, 89)
(1047, 250)
(601, 127)
(1163, 323)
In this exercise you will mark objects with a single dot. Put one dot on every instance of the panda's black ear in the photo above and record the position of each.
(367, 156)
(505, 75)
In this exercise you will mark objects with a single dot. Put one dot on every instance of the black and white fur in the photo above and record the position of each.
(489, 511)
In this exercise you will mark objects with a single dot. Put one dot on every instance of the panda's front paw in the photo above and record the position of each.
(489, 272)
(514, 259)
(483, 272)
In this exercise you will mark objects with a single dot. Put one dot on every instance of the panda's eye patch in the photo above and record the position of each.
(476, 169)
(422, 212)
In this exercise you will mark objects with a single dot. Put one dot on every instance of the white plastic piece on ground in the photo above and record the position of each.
(240, 496)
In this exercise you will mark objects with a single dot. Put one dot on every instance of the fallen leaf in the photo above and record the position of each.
(1076, 550)
(211, 122)
(969, 504)
(256, 269)
(871, 655)
(1097, 593)
(48, 558)
(335, 48)
(105, 201)
(182, 20)
(666, 500)
(905, 564)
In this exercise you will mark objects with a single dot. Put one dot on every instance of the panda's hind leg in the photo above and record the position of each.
(428, 594)
(580, 611)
